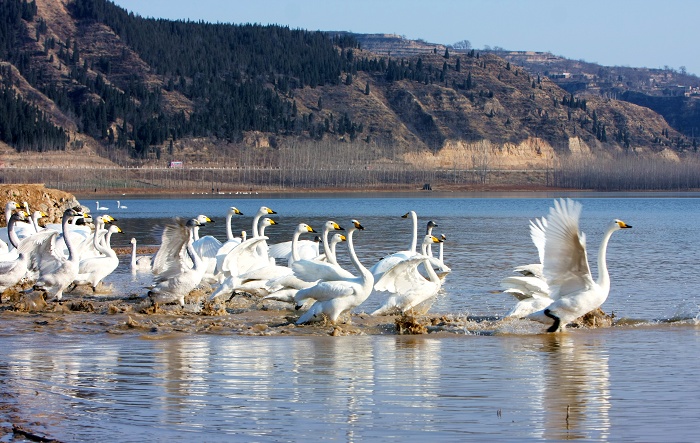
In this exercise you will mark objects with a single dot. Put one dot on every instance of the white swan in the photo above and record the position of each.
(409, 289)
(120, 205)
(174, 278)
(13, 268)
(55, 271)
(92, 270)
(387, 262)
(334, 297)
(257, 280)
(250, 255)
(284, 288)
(140, 263)
(9, 207)
(530, 287)
(212, 251)
(101, 208)
(314, 270)
(264, 210)
(566, 269)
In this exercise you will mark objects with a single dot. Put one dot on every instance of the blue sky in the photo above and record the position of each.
(637, 33)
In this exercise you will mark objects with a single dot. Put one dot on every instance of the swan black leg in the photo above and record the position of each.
(557, 321)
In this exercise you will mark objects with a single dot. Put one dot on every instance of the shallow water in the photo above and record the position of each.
(494, 380)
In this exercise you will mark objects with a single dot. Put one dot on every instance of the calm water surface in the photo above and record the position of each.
(637, 382)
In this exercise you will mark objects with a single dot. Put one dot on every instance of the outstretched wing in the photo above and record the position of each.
(537, 230)
(565, 261)
(42, 253)
(403, 276)
(173, 240)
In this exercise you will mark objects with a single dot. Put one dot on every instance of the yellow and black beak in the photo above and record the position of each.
(622, 224)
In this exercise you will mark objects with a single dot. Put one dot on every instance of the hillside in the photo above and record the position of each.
(136, 91)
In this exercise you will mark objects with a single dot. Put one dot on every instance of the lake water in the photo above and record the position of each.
(637, 381)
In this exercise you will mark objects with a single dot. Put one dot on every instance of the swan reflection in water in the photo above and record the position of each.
(576, 396)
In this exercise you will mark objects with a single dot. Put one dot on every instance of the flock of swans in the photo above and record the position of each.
(57, 258)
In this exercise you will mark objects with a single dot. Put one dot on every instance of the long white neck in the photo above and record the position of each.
(432, 276)
(257, 232)
(367, 276)
(229, 232)
(440, 253)
(8, 214)
(295, 244)
(326, 246)
(72, 256)
(11, 234)
(35, 221)
(414, 239)
(108, 244)
(603, 275)
(196, 261)
(330, 255)
(133, 255)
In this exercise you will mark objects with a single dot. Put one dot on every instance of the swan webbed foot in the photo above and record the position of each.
(557, 321)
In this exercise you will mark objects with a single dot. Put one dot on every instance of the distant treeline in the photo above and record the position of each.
(238, 77)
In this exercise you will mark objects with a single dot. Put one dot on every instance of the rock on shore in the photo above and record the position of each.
(51, 201)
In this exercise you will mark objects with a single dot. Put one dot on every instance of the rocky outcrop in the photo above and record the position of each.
(39, 198)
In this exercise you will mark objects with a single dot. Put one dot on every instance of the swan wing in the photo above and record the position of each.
(42, 252)
(389, 261)
(207, 246)
(281, 250)
(565, 261)
(522, 287)
(537, 230)
(169, 255)
(244, 257)
(401, 277)
(325, 291)
(312, 270)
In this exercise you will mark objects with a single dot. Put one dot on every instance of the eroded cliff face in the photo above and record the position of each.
(531, 154)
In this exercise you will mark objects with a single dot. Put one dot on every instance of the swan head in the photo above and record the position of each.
(443, 237)
(304, 228)
(11, 206)
(333, 226)
(337, 238)
(191, 223)
(409, 214)
(431, 225)
(269, 222)
(133, 240)
(265, 210)
(114, 229)
(203, 219)
(356, 225)
(234, 211)
(619, 224)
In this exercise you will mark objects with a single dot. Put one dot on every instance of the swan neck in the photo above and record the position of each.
(229, 232)
(35, 223)
(295, 243)
(326, 246)
(414, 239)
(431, 272)
(196, 261)
(11, 234)
(133, 255)
(331, 258)
(603, 275)
(353, 256)
(256, 232)
(440, 254)
(66, 237)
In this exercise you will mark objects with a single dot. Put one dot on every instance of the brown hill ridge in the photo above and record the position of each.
(505, 118)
